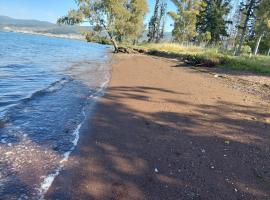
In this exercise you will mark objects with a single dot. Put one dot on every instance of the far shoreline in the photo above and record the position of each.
(63, 36)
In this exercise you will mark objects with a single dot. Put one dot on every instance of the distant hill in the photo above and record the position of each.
(41, 27)
(8, 21)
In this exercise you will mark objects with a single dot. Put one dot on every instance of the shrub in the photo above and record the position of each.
(246, 49)
(90, 37)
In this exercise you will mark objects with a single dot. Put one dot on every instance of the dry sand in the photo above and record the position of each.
(166, 132)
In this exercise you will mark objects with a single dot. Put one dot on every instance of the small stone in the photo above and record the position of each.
(3, 141)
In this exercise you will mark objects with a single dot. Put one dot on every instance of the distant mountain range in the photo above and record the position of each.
(41, 27)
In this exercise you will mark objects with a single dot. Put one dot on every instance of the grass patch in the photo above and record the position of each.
(209, 57)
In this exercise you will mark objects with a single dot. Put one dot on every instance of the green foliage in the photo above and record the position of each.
(185, 20)
(121, 19)
(248, 11)
(91, 37)
(204, 37)
(258, 64)
(262, 25)
(246, 49)
(212, 19)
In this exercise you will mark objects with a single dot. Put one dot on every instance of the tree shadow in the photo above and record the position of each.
(217, 151)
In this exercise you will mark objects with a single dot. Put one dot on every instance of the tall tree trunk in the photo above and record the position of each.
(238, 50)
(268, 52)
(258, 44)
(248, 15)
(114, 45)
(153, 24)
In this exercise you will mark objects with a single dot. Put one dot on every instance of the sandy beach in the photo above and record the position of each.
(164, 131)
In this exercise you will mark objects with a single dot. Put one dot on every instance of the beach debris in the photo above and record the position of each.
(235, 190)
(156, 170)
(227, 142)
(219, 76)
(212, 167)
(253, 118)
(8, 153)
(203, 150)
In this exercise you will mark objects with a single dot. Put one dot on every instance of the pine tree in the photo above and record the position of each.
(212, 19)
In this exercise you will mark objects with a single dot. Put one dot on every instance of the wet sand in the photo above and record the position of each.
(169, 133)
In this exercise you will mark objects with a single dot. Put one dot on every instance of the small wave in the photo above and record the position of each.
(48, 180)
(57, 85)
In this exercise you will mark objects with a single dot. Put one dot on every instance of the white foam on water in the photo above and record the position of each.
(48, 180)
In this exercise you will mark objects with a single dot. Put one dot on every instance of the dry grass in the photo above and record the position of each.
(212, 57)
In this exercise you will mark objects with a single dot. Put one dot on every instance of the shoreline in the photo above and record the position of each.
(48, 180)
(167, 132)
(61, 36)
(42, 127)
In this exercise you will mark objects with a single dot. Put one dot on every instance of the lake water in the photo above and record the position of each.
(47, 86)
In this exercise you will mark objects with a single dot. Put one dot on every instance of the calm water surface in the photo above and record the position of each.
(47, 86)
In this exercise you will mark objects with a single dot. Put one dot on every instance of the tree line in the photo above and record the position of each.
(234, 24)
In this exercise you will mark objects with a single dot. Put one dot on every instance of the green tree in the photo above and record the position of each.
(135, 25)
(185, 20)
(157, 22)
(248, 10)
(262, 25)
(122, 20)
(212, 18)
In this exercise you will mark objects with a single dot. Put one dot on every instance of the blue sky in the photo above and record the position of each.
(50, 10)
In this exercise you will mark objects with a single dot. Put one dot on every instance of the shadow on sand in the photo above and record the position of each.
(214, 152)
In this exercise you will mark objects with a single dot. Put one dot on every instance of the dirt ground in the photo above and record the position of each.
(164, 131)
